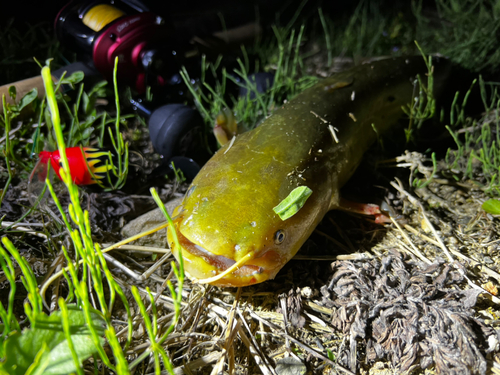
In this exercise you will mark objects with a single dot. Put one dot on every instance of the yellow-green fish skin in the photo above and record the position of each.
(228, 210)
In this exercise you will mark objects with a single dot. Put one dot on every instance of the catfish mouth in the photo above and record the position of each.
(217, 263)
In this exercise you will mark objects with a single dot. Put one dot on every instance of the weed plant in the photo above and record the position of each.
(19, 46)
(477, 157)
(281, 55)
(369, 31)
(59, 343)
(466, 31)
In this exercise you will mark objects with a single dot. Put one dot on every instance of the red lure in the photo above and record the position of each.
(86, 164)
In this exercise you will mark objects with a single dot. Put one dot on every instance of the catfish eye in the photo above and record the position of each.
(279, 237)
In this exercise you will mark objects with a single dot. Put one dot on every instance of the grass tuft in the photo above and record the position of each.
(464, 30)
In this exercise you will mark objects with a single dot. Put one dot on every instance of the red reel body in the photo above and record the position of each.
(105, 31)
(131, 39)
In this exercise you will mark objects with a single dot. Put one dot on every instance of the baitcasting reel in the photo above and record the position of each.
(105, 30)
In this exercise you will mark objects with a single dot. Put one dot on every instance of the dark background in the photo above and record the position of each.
(27, 29)
(32, 12)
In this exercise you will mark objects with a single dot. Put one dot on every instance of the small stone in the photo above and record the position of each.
(307, 292)
(488, 260)
(148, 221)
(290, 366)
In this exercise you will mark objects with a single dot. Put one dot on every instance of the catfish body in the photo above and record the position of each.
(316, 140)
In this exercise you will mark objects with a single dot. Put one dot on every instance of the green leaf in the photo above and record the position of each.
(330, 355)
(40, 362)
(87, 103)
(99, 89)
(86, 134)
(74, 78)
(492, 206)
(44, 349)
(27, 99)
(12, 92)
(293, 203)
